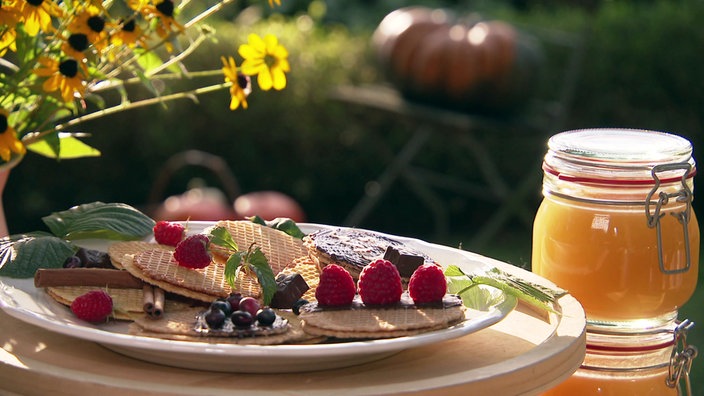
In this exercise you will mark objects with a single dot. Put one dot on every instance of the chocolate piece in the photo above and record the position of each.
(289, 288)
(94, 258)
(405, 263)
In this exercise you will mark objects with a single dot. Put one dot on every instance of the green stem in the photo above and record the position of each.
(36, 136)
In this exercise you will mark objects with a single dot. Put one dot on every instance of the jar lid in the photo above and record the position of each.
(620, 156)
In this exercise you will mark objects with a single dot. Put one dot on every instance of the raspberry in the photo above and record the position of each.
(336, 286)
(94, 306)
(169, 233)
(192, 252)
(380, 283)
(427, 284)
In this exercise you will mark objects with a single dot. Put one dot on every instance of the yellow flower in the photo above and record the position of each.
(75, 46)
(8, 139)
(61, 76)
(129, 34)
(163, 11)
(271, 2)
(89, 22)
(8, 20)
(266, 59)
(36, 15)
(241, 86)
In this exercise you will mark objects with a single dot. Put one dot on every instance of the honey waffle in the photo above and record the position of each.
(181, 326)
(118, 250)
(308, 269)
(157, 267)
(279, 248)
(125, 302)
(379, 322)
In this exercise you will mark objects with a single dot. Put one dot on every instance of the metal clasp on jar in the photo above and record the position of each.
(681, 359)
(683, 217)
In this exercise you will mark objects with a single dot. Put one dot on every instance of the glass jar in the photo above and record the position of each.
(635, 369)
(616, 227)
(619, 373)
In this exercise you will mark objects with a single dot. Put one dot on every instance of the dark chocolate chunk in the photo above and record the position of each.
(289, 288)
(94, 258)
(405, 263)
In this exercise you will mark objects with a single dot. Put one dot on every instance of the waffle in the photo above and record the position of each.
(352, 248)
(279, 248)
(181, 326)
(379, 321)
(308, 269)
(126, 302)
(118, 250)
(157, 267)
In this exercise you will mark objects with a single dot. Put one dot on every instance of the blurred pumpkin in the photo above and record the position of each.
(468, 65)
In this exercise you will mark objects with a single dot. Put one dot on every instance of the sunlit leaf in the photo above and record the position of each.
(69, 148)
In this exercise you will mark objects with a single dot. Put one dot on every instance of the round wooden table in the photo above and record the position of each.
(524, 354)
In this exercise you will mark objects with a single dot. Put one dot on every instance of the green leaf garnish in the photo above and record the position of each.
(22, 255)
(283, 224)
(252, 260)
(114, 221)
(260, 266)
(536, 295)
(221, 237)
(232, 266)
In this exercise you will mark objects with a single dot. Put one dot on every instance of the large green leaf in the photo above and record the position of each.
(115, 221)
(68, 148)
(22, 255)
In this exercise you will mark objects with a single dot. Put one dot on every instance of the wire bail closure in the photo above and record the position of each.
(681, 359)
(683, 217)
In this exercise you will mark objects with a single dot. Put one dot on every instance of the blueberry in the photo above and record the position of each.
(298, 304)
(222, 305)
(234, 300)
(266, 317)
(242, 319)
(215, 318)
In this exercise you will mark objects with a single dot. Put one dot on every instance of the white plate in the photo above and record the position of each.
(19, 298)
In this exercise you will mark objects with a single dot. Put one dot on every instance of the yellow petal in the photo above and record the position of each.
(279, 78)
(264, 80)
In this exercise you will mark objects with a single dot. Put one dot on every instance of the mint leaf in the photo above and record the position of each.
(466, 284)
(265, 275)
(282, 224)
(221, 236)
(113, 221)
(22, 255)
(231, 266)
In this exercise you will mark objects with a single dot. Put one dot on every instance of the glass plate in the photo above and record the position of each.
(20, 299)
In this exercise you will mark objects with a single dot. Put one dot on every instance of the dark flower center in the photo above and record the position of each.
(96, 23)
(35, 3)
(129, 26)
(78, 41)
(68, 68)
(242, 81)
(166, 7)
(3, 123)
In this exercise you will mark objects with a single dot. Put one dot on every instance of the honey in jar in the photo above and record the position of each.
(616, 227)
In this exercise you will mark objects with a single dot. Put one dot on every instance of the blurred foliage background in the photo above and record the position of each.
(642, 69)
